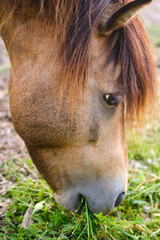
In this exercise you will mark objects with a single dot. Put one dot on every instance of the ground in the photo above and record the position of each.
(10, 142)
(12, 147)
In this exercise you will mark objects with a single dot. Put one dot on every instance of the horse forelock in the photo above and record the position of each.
(131, 48)
(74, 25)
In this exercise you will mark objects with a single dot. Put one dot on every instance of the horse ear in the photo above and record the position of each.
(117, 15)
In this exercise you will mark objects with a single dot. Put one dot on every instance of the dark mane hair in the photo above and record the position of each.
(132, 49)
(74, 23)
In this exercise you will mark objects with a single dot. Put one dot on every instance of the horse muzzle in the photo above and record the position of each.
(100, 197)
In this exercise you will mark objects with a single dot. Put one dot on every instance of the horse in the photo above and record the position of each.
(80, 69)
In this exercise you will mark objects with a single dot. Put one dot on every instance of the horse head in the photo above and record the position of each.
(78, 143)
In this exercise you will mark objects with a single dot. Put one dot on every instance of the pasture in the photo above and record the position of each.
(27, 206)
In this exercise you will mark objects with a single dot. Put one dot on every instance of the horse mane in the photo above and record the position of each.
(132, 49)
(74, 23)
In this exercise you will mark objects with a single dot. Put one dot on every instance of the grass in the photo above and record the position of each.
(138, 217)
(5, 67)
(154, 33)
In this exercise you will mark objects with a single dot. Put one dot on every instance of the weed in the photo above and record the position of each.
(138, 217)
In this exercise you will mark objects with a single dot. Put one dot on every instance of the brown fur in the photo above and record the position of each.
(59, 58)
(74, 26)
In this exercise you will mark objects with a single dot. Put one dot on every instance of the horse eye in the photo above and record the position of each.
(112, 100)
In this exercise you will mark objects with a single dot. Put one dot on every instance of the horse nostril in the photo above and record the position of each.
(120, 199)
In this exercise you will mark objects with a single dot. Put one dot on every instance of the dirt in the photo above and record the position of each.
(151, 13)
(11, 145)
